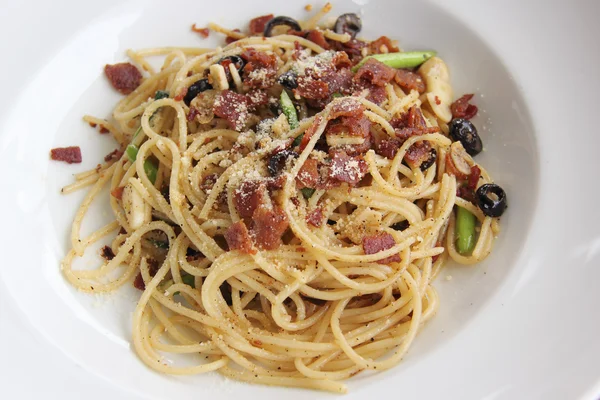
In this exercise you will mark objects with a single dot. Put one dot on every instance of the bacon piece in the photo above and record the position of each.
(315, 217)
(418, 153)
(311, 88)
(317, 37)
(208, 182)
(347, 107)
(204, 32)
(259, 58)
(310, 131)
(382, 241)
(352, 126)
(260, 70)
(138, 282)
(113, 155)
(233, 107)
(375, 46)
(466, 189)
(257, 25)
(409, 80)
(275, 182)
(181, 94)
(464, 192)
(248, 197)
(194, 112)
(345, 168)
(315, 175)
(377, 94)
(124, 77)
(388, 147)
(352, 48)
(474, 177)
(413, 119)
(117, 192)
(323, 79)
(238, 238)
(340, 60)
(71, 154)
(230, 39)
(297, 49)
(337, 82)
(411, 123)
(107, 253)
(308, 176)
(257, 98)
(375, 72)
(462, 109)
(268, 225)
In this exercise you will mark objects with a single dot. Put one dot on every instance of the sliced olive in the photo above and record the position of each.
(288, 80)
(238, 61)
(400, 226)
(348, 23)
(430, 161)
(226, 292)
(195, 89)
(464, 131)
(491, 199)
(281, 20)
(307, 192)
(278, 160)
(275, 108)
(161, 94)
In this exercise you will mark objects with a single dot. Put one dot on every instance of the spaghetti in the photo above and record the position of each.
(285, 252)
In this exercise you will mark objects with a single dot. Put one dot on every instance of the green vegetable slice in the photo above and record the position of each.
(161, 94)
(465, 230)
(189, 280)
(407, 59)
(150, 168)
(307, 192)
(289, 110)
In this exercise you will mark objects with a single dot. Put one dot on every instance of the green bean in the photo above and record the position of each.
(465, 230)
(189, 280)
(407, 59)
(149, 167)
(132, 150)
(161, 94)
(289, 110)
(307, 192)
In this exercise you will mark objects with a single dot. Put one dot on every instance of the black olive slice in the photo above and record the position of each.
(429, 162)
(281, 20)
(349, 23)
(195, 89)
(464, 131)
(492, 206)
(278, 160)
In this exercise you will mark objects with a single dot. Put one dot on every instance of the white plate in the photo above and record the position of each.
(523, 325)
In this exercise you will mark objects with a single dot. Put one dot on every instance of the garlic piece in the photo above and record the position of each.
(137, 211)
(218, 76)
(460, 158)
(439, 91)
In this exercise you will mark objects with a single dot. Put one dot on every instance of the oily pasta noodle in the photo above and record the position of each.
(339, 279)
